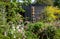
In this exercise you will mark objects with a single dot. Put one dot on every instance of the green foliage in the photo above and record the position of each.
(41, 30)
(13, 12)
(57, 3)
(57, 34)
(36, 26)
(47, 2)
(4, 37)
(9, 15)
(33, 30)
(27, 2)
(5, 0)
(30, 35)
(51, 32)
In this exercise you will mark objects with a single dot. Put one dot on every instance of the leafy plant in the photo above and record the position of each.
(51, 13)
(4, 37)
(57, 34)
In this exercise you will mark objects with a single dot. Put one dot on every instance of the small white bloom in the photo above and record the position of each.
(22, 28)
(17, 27)
(14, 36)
(14, 29)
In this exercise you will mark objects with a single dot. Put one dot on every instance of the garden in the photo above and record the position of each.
(13, 26)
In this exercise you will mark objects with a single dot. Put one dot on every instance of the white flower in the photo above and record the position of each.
(22, 28)
(14, 29)
(18, 26)
(14, 36)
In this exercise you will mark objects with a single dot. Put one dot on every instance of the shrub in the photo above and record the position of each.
(41, 30)
(51, 13)
(35, 27)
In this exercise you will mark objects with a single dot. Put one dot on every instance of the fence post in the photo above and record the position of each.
(33, 13)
